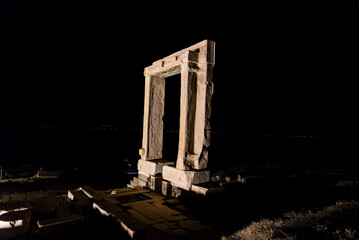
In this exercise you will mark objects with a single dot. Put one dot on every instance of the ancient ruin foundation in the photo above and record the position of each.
(195, 65)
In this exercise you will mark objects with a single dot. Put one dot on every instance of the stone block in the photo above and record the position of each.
(92, 193)
(166, 208)
(132, 184)
(59, 220)
(44, 210)
(134, 228)
(176, 192)
(13, 206)
(80, 202)
(53, 226)
(168, 215)
(156, 183)
(166, 188)
(199, 190)
(147, 211)
(139, 182)
(140, 217)
(35, 195)
(5, 198)
(143, 176)
(64, 208)
(184, 179)
(14, 221)
(49, 174)
(77, 196)
(152, 167)
(107, 208)
(45, 206)
(18, 197)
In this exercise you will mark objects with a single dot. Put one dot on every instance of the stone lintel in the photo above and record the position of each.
(152, 167)
(184, 179)
(205, 46)
(172, 66)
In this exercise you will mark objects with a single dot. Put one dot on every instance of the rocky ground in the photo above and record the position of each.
(116, 212)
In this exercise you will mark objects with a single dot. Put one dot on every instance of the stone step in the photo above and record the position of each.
(139, 182)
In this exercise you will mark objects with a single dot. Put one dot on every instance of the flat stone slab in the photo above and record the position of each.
(107, 208)
(59, 220)
(138, 211)
(156, 183)
(147, 211)
(184, 179)
(77, 195)
(79, 201)
(13, 206)
(199, 190)
(138, 182)
(5, 198)
(53, 226)
(49, 174)
(132, 226)
(92, 193)
(207, 188)
(14, 222)
(161, 226)
(45, 205)
(140, 217)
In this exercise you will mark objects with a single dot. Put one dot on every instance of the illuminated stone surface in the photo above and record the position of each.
(140, 212)
(14, 219)
(151, 168)
(185, 179)
(195, 65)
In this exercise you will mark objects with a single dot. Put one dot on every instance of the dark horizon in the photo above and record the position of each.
(281, 68)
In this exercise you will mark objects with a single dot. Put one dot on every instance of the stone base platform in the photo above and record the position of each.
(136, 212)
(184, 179)
(161, 216)
(152, 167)
(162, 175)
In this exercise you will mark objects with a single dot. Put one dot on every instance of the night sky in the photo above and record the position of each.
(282, 68)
